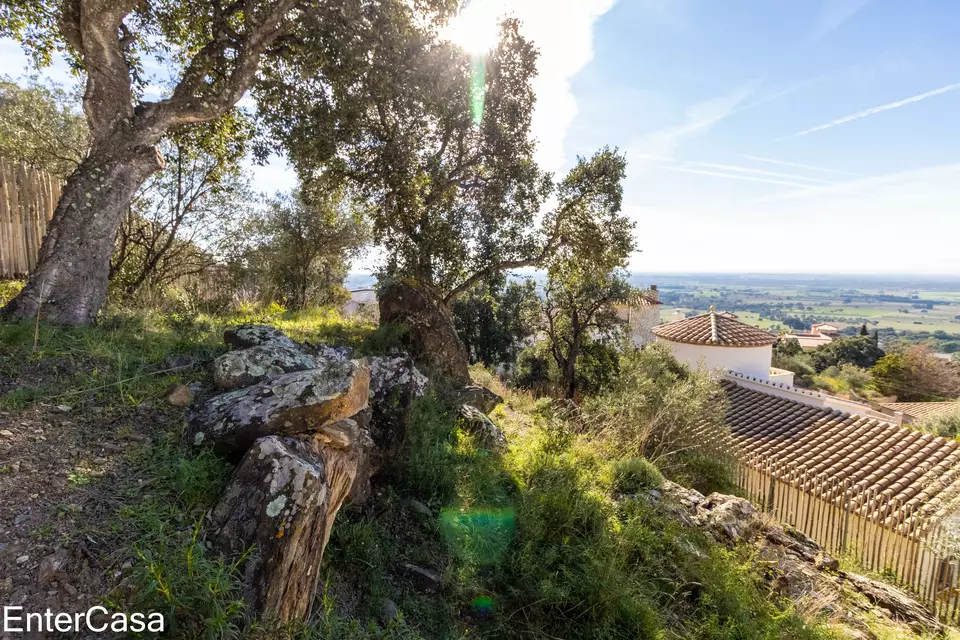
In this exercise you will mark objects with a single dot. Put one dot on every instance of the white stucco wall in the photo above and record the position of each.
(751, 361)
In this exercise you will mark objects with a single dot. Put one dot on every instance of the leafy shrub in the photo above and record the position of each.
(9, 289)
(655, 406)
(634, 475)
(945, 424)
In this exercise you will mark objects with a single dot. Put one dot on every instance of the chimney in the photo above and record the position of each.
(654, 293)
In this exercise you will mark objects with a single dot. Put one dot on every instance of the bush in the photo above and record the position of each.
(945, 424)
(634, 475)
(655, 407)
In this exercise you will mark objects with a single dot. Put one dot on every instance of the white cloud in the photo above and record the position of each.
(873, 110)
(563, 32)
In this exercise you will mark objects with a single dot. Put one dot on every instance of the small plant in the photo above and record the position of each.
(634, 475)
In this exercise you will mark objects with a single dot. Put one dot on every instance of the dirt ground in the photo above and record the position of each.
(59, 468)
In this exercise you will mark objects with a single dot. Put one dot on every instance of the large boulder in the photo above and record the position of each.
(280, 506)
(251, 335)
(431, 336)
(728, 517)
(244, 367)
(288, 404)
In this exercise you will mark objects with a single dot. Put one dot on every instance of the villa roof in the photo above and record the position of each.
(922, 410)
(715, 329)
(644, 299)
(917, 470)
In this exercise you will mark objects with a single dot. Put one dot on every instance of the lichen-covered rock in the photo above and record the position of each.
(288, 404)
(394, 384)
(728, 516)
(244, 367)
(486, 431)
(479, 397)
(250, 335)
(281, 503)
(431, 336)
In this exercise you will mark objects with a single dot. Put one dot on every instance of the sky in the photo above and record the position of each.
(762, 136)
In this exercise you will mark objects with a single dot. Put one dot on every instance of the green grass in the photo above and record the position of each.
(535, 544)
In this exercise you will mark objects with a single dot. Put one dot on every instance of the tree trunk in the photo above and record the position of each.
(69, 284)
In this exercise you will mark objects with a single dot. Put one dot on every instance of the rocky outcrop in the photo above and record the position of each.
(245, 367)
(280, 504)
(431, 336)
(479, 397)
(794, 565)
(303, 418)
(285, 405)
(487, 432)
(251, 335)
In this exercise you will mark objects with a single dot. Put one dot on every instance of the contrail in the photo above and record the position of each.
(736, 176)
(870, 112)
(803, 166)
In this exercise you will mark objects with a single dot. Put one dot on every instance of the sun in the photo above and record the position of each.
(477, 28)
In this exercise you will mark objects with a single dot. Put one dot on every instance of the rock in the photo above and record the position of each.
(181, 396)
(897, 603)
(486, 431)
(6, 433)
(181, 361)
(728, 516)
(50, 567)
(825, 562)
(70, 589)
(424, 579)
(431, 336)
(245, 367)
(20, 519)
(281, 501)
(6, 586)
(22, 559)
(420, 508)
(288, 404)
(479, 397)
(64, 408)
(394, 384)
(388, 611)
(250, 335)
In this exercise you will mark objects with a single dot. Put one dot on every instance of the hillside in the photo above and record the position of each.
(551, 536)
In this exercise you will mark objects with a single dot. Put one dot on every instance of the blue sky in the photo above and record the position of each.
(813, 136)
(718, 104)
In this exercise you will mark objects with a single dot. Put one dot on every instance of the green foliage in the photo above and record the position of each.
(787, 348)
(585, 276)
(185, 219)
(41, 124)
(536, 368)
(915, 374)
(9, 289)
(300, 248)
(197, 592)
(861, 351)
(632, 475)
(494, 319)
(654, 408)
(945, 424)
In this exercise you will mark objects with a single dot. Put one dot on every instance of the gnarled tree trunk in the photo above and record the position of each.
(69, 285)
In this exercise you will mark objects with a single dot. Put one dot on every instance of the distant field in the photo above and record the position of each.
(768, 307)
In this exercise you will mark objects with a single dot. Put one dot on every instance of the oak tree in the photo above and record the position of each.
(214, 49)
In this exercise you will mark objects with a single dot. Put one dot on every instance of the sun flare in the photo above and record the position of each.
(477, 27)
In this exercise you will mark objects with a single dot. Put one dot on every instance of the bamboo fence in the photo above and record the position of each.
(28, 198)
(913, 543)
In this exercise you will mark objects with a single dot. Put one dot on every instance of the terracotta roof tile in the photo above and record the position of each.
(714, 329)
(922, 410)
(878, 458)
